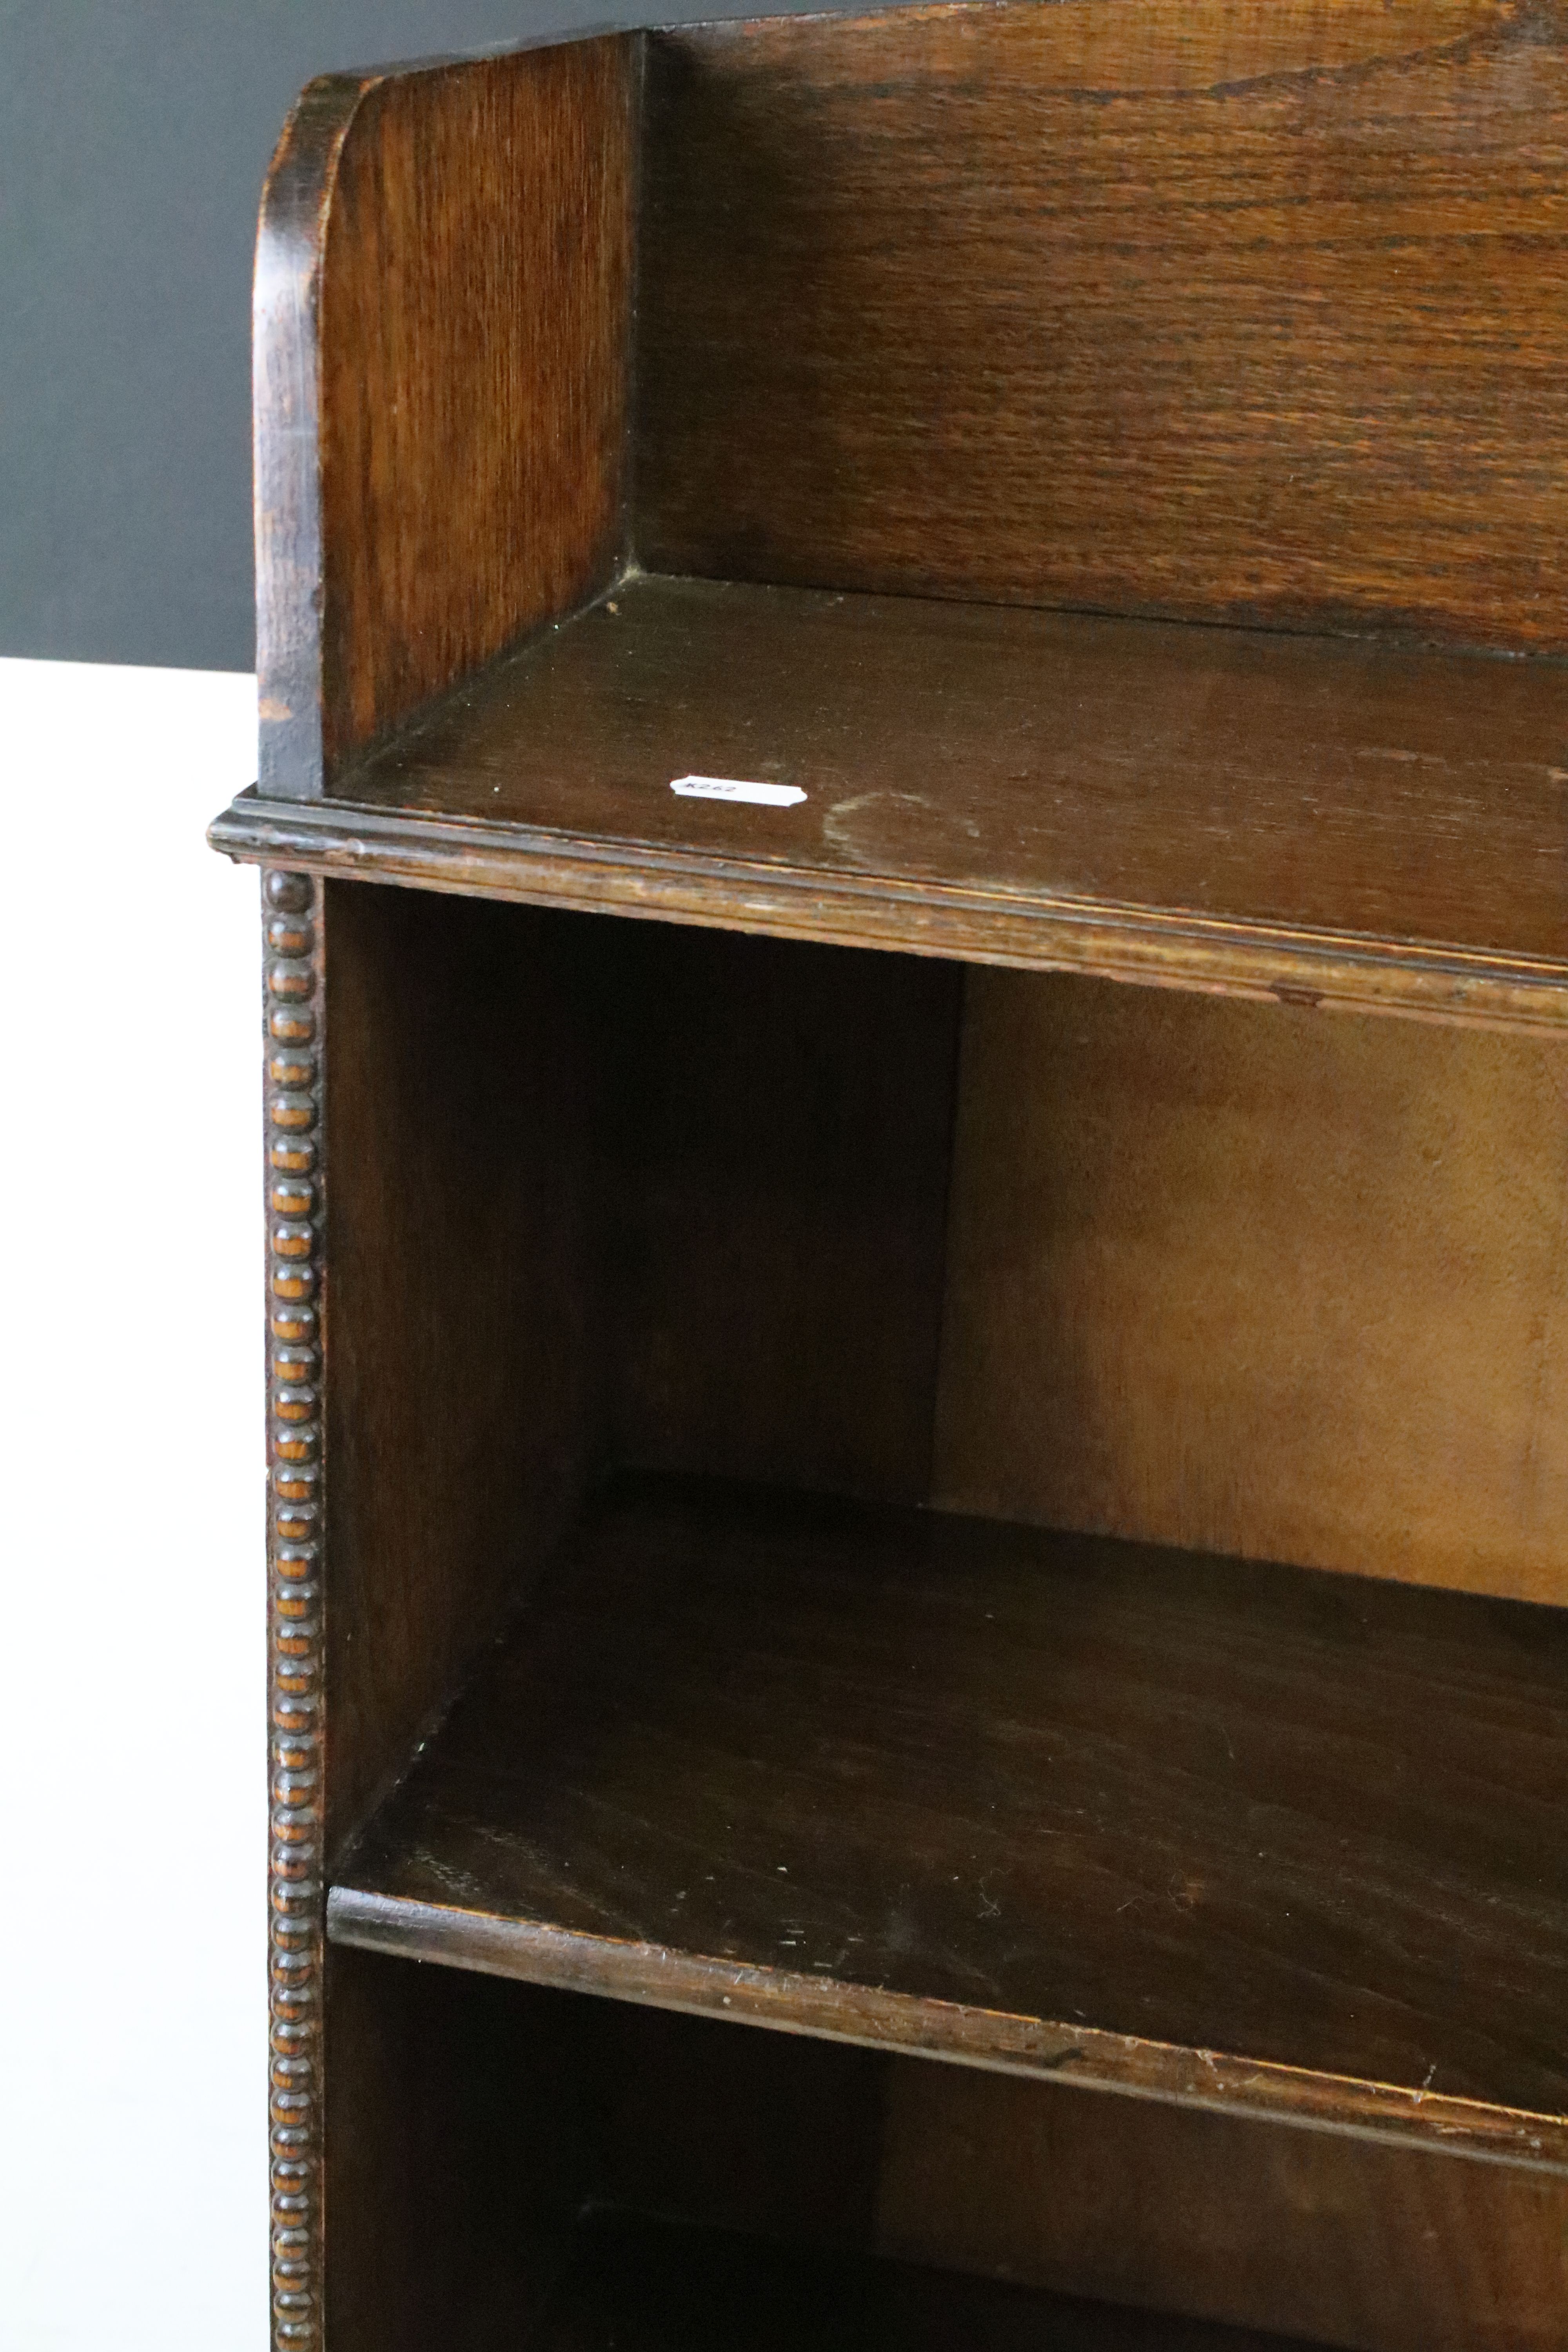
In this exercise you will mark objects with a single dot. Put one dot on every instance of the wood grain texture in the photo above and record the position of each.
(1347, 2243)
(1207, 807)
(464, 1410)
(1353, 2242)
(472, 2120)
(285, 417)
(611, 1191)
(1227, 313)
(1272, 1286)
(443, 306)
(1218, 314)
(1141, 1820)
(636, 2286)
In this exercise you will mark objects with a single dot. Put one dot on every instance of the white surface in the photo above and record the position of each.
(133, 1733)
(734, 788)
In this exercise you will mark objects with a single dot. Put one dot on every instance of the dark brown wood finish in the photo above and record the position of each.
(1208, 807)
(1273, 1285)
(1139, 1819)
(465, 1410)
(286, 436)
(473, 2118)
(1360, 2243)
(449, 2223)
(461, 1414)
(443, 300)
(1113, 461)
(565, 1224)
(1347, 2241)
(776, 1125)
(636, 2286)
(1229, 313)
(292, 1014)
(770, 2135)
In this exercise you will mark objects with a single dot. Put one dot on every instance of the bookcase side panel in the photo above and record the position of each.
(460, 1424)
(462, 1411)
(442, 320)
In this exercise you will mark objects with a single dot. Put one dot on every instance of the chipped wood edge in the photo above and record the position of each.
(1088, 2056)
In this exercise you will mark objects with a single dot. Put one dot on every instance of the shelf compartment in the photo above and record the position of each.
(637, 2285)
(1211, 807)
(1252, 1837)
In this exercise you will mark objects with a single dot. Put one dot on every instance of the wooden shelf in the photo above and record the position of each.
(637, 2286)
(1252, 1837)
(1140, 553)
(1207, 806)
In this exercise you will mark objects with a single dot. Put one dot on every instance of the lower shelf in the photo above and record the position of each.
(640, 2286)
(1247, 1836)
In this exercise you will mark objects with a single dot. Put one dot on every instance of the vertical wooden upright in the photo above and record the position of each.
(296, 1328)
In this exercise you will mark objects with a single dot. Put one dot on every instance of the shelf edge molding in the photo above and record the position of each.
(1153, 947)
(1090, 2057)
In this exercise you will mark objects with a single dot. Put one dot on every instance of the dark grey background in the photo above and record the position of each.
(133, 138)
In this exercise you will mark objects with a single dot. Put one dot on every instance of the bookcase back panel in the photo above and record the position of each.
(1260, 1280)
(1231, 313)
(778, 1125)
(1335, 2240)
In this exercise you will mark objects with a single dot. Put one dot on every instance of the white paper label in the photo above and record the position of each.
(731, 788)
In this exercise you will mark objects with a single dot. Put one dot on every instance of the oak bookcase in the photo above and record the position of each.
(922, 1410)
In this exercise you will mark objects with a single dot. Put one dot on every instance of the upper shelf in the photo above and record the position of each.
(1258, 1837)
(1148, 800)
